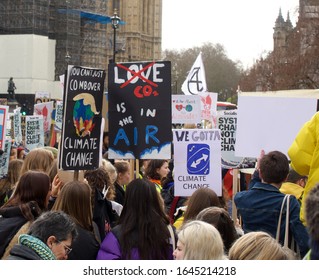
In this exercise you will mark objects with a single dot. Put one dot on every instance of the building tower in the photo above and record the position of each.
(282, 30)
(140, 38)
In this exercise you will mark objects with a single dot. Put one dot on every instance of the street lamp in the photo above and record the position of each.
(115, 19)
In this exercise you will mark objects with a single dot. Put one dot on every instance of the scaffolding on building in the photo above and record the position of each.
(78, 40)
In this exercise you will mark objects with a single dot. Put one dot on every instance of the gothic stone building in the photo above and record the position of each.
(294, 61)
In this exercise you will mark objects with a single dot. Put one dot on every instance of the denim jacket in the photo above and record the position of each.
(259, 208)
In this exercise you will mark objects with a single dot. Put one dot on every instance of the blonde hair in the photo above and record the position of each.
(110, 169)
(38, 159)
(122, 167)
(53, 150)
(202, 241)
(190, 125)
(14, 169)
(258, 245)
(9, 182)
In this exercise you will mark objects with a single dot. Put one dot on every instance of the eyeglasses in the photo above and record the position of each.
(66, 248)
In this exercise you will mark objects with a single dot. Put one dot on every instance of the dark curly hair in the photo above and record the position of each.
(98, 179)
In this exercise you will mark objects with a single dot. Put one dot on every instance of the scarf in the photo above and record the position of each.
(37, 246)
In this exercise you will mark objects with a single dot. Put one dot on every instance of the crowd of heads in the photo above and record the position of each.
(63, 212)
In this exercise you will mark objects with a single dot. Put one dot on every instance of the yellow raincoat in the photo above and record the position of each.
(304, 156)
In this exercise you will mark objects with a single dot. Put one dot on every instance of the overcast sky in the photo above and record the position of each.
(243, 27)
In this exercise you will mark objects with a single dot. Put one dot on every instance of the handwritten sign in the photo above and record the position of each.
(45, 109)
(82, 119)
(4, 158)
(140, 110)
(58, 116)
(42, 94)
(209, 106)
(16, 120)
(186, 109)
(4, 110)
(34, 132)
(197, 162)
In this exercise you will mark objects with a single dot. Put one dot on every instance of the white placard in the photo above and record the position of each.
(270, 123)
(17, 132)
(209, 106)
(58, 116)
(197, 164)
(227, 123)
(45, 109)
(4, 111)
(186, 109)
(34, 132)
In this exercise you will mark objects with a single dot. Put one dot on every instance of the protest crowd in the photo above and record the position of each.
(108, 214)
(90, 196)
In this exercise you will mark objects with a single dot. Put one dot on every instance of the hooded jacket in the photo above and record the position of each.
(20, 252)
(11, 220)
(304, 156)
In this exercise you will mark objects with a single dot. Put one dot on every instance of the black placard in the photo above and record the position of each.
(82, 117)
(140, 116)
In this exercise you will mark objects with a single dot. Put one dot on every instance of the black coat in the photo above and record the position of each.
(21, 252)
(11, 220)
(103, 214)
(119, 193)
(172, 203)
(85, 246)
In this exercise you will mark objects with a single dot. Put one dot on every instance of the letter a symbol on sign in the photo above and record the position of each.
(195, 82)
